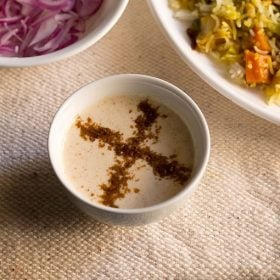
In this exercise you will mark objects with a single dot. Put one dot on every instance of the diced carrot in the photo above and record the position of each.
(261, 40)
(257, 68)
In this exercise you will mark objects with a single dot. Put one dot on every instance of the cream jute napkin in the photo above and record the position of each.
(230, 227)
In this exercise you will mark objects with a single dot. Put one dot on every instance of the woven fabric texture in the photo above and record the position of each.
(228, 229)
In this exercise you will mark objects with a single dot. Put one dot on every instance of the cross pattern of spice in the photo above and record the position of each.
(128, 151)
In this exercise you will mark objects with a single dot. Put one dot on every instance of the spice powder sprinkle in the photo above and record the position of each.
(128, 151)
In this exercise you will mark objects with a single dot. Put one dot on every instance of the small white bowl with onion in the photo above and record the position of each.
(35, 32)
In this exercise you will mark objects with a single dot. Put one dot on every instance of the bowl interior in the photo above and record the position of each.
(160, 91)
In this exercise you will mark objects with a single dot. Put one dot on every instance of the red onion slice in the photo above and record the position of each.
(7, 51)
(8, 36)
(11, 19)
(36, 27)
(87, 7)
(44, 31)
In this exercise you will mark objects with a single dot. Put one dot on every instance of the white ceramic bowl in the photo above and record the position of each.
(213, 74)
(101, 23)
(160, 91)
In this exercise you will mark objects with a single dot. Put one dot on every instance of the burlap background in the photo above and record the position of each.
(230, 227)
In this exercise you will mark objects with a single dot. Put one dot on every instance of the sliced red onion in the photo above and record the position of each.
(56, 41)
(11, 19)
(62, 5)
(7, 37)
(44, 31)
(87, 7)
(65, 16)
(7, 51)
(36, 27)
(80, 27)
(24, 26)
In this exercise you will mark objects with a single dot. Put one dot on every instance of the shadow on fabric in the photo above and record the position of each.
(32, 196)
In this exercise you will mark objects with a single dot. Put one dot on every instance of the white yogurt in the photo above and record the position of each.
(86, 164)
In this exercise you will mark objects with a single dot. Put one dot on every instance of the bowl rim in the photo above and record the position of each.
(189, 186)
(79, 46)
(264, 111)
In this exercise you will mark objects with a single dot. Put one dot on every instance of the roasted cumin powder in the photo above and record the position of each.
(128, 151)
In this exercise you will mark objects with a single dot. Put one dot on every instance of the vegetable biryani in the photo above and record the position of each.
(243, 34)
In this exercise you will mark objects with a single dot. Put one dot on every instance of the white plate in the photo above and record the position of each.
(213, 74)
